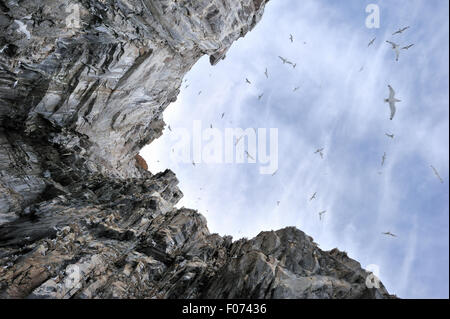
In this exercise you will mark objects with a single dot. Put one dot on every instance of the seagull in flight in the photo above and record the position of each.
(388, 233)
(400, 30)
(437, 174)
(246, 80)
(407, 47)
(223, 114)
(291, 38)
(313, 196)
(266, 73)
(260, 96)
(321, 213)
(371, 42)
(296, 88)
(383, 159)
(396, 48)
(249, 156)
(392, 100)
(169, 128)
(320, 151)
(390, 135)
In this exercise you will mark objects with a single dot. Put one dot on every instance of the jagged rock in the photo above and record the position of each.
(78, 217)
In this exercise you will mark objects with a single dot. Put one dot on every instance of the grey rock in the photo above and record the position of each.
(78, 217)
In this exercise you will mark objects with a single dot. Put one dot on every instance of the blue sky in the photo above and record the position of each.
(341, 109)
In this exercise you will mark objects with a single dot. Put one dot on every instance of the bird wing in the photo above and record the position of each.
(391, 43)
(391, 92)
(392, 107)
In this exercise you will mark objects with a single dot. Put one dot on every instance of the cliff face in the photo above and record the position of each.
(81, 92)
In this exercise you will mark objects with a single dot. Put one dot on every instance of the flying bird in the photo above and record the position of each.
(407, 47)
(313, 196)
(246, 80)
(392, 100)
(400, 30)
(383, 159)
(193, 163)
(186, 86)
(169, 128)
(266, 73)
(437, 174)
(390, 135)
(249, 156)
(291, 38)
(200, 92)
(396, 48)
(371, 42)
(260, 96)
(388, 233)
(223, 114)
(321, 213)
(296, 88)
(320, 152)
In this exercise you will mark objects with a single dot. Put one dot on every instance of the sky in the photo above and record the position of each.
(339, 106)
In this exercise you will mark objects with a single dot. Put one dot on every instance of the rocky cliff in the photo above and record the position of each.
(83, 85)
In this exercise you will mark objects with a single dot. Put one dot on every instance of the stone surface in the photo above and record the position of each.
(80, 216)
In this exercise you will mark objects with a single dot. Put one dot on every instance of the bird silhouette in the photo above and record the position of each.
(260, 96)
(249, 156)
(388, 233)
(383, 159)
(400, 30)
(291, 38)
(390, 135)
(266, 73)
(371, 42)
(321, 213)
(246, 80)
(320, 152)
(313, 196)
